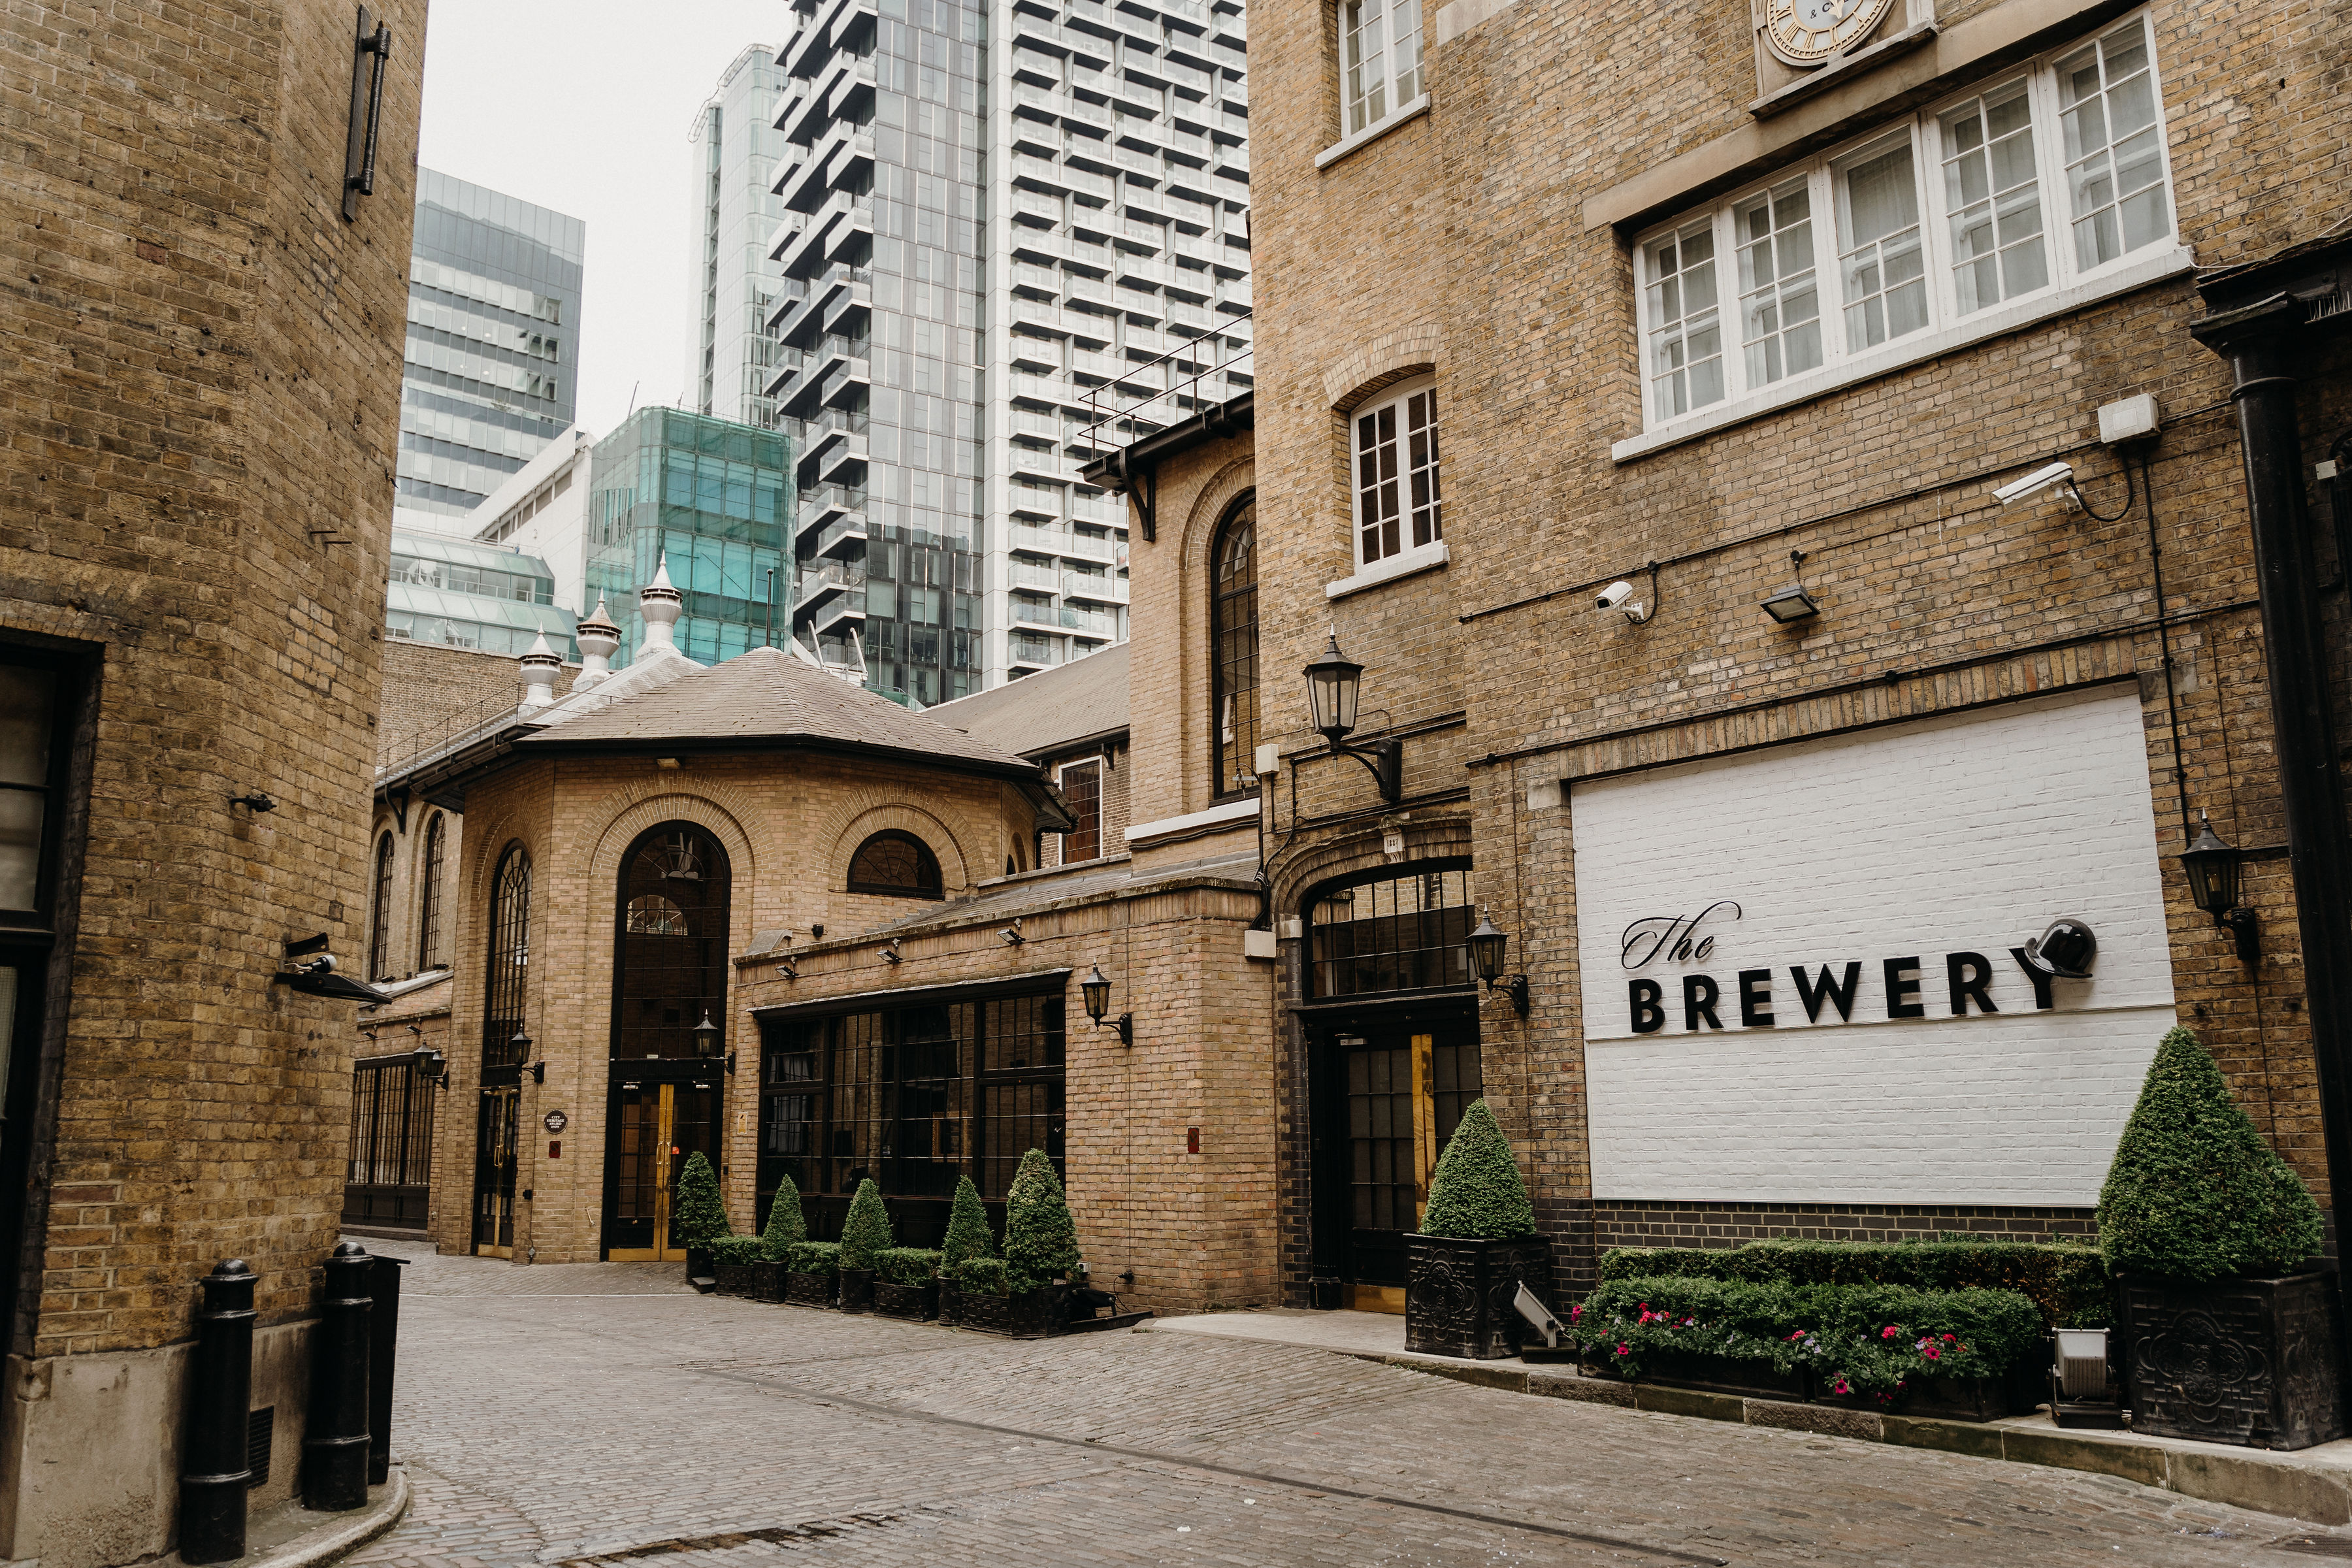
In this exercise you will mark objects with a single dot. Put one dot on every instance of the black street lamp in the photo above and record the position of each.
(431, 1066)
(520, 1046)
(1487, 947)
(2213, 870)
(1095, 989)
(1334, 682)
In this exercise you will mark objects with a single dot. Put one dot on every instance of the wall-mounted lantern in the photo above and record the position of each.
(1334, 682)
(2213, 869)
(1095, 989)
(431, 1066)
(1488, 949)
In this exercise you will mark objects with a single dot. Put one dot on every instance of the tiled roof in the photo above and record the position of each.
(1043, 712)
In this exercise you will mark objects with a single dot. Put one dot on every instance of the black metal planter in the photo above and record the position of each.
(1028, 1315)
(1459, 1293)
(809, 1289)
(2234, 1361)
(736, 1278)
(767, 1281)
(856, 1290)
(915, 1303)
(700, 1268)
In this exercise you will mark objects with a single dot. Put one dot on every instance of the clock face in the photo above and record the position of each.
(1807, 32)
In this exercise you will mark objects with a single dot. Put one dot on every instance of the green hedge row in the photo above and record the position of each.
(1855, 1339)
(2069, 1284)
(814, 1258)
(735, 1250)
(906, 1265)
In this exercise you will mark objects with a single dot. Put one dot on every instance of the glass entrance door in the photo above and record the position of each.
(657, 1127)
(494, 1171)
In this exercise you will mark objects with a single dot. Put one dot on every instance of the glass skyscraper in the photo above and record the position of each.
(714, 496)
(493, 341)
(736, 147)
(467, 594)
(986, 245)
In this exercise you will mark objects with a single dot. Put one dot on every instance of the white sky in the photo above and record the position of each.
(583, 107)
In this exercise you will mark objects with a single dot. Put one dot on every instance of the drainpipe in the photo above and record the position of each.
(2260, 341)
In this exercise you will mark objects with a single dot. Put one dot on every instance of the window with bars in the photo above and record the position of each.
(390, 1164)
(1082, 788)
(428, 894)
(1233, 649)
(508, 972)
(1397, 501)
(379, 964)
(896, 865)
(1395, 933)
(674, 903)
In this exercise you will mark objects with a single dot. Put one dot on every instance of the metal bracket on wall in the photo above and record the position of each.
(371, 53)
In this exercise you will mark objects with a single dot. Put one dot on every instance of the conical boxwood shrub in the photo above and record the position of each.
(1476, 1191)
(1041, 1239)
(968, 1234)
(786, 1225)
(866, 1229)
(699, 1218)
(2194, 1192)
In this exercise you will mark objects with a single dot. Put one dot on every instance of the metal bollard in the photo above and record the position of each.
(383, 1341)
(214, 1473)
(335, 1447)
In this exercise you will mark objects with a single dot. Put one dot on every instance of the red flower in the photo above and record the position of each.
(1933, 1353)
(1889, 1331)
(1624, 1350)
(1949, 1339)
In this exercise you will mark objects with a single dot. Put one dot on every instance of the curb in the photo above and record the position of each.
(346, 1533)
(2250, 1480)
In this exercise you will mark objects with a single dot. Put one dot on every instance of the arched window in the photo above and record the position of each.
(428, 894)
(510, 965)
(1392, 931)
(379, 964)
(898, 866)
(671, 968)
(1232, 650)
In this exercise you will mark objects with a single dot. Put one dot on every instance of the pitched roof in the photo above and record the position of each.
(1045, 711)
(768, 698)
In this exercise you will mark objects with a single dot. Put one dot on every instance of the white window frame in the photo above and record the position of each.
(1396, 103)
(2068, 285)
(1396, 397)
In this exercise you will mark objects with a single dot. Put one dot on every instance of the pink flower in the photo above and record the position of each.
(1624, 1350)
(1933, 1353)
(1576, 1312)
(1889, 1331)
(1840, 1387)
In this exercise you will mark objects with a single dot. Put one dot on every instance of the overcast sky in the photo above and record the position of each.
(583, 107)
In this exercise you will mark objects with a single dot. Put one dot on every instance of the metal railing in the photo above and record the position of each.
(448, 734)
(1195, 379)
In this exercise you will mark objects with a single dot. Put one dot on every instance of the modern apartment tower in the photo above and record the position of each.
(736, 147)
(987, 246)
(493, 344)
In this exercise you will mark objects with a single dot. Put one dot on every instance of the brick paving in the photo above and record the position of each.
(580, 1413)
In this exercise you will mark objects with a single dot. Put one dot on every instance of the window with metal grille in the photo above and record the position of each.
(1393, 932)
(1232, 659)
(379, 965)
(896, 865)
(509, 968)
(390, 1163)
(428, 894)
(1082, 787)
(672, 974)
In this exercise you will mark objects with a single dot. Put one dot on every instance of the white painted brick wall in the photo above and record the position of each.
(1965, 834)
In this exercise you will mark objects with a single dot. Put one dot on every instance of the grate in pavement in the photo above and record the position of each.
(774, 1535)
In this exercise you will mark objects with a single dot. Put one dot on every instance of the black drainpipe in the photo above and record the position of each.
(2260, 341)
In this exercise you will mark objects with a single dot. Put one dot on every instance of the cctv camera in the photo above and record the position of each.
(2040, 479)
(1613, 595)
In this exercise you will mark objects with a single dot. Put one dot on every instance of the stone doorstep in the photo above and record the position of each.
(291, 1536)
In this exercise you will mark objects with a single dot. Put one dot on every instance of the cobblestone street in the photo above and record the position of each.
(602, 1413)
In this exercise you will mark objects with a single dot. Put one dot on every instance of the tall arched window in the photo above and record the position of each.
(510, 964)
(671, 968)
(896, 866)
(1233, 651)
(428, 894)
(379, 964)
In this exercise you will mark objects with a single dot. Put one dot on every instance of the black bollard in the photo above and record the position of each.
(383, 1341)
(335, 1447)
(214, 1473)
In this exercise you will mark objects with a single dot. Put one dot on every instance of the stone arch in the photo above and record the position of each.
(1195, 586)
(1392, 357)
(1440, 838)
(860, 818)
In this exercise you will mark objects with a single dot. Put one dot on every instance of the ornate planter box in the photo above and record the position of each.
(699, 1268)
(916, 1303)
(1457, 1293)
(735, 1278)
(1031, 1315)
(809, 1289)
(856, 1290)
(767, 1281)
(2234, 1361)
(950, 1304)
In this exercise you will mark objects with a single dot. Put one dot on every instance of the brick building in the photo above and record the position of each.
(202, 320)
(1751, 324)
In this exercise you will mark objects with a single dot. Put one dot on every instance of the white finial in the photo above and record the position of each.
(539, 667)
(660, 604)
(599, 640)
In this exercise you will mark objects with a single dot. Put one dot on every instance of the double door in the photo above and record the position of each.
(494, 1169)
(656, 1128)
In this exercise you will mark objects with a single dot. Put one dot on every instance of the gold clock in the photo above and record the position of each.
(1808, 32)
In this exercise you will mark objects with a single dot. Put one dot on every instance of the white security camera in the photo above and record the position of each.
(1619, 596)
(2059, 474)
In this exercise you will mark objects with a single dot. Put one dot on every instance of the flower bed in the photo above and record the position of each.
(2068, 1284)
(1878, 1344)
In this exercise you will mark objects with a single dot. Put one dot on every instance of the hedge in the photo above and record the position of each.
(985, 1277)
(814, 1258)
(1855, 1339)
(905, 1265)
(2067, 1284)
(1476, 1191)
(735, 1250)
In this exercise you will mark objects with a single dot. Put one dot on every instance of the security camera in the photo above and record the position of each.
(2059, 474)
(1619, 596)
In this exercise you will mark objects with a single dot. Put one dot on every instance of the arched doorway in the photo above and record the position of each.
(669, 1070)
(505, 990)
(1391, 1025)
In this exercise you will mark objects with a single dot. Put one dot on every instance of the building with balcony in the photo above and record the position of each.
(985, 253)
(493, 345)
(735, 146)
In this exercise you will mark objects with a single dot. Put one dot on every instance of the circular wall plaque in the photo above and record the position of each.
(555, 1121)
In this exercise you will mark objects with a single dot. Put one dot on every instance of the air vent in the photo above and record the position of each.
(258, 1425)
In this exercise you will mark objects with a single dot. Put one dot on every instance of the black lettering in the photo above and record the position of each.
(1831, 990)
(1900, 991)
(1648, 1016)
(1967, 974)
(2040, 982)
(1699, 996)
(1755, 998)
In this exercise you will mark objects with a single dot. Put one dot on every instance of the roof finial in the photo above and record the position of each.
(599, 640)
(660, 604)
(539, 667)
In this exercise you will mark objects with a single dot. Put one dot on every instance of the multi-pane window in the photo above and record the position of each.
(504, 976)
(675, 896)
(1233, 649)
(1919, 226)
(28, 717)
(1082, 787)
(428, 893)
(379, 964)
(1396, 500)
(898, 866)
(1381, 48)
(1393, 933)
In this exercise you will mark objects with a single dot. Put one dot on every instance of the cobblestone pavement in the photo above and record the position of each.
(602, 1413)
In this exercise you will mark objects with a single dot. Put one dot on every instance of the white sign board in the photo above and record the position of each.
(1798, 968)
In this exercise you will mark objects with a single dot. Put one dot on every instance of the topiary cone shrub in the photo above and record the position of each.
(866, 1229)
(2194, 1192)
(1476, 1192)
(699, 1218)
(1041, 1239)
(968, 1234)
(786, 1225)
